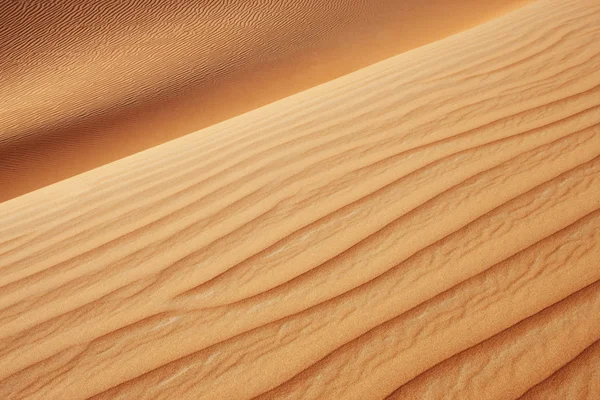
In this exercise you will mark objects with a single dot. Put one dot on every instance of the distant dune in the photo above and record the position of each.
(426, 227)
(86, 82)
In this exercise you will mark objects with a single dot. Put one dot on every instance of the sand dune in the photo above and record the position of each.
(426, 227)
(83, 82)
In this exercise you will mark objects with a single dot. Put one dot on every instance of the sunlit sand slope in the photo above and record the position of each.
(86, 82)
(426, 227)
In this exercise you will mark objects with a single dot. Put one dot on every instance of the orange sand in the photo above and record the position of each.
(84, 82)
(427, 227)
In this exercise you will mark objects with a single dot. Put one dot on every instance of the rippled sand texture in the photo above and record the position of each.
(86, 82)
(427, 227)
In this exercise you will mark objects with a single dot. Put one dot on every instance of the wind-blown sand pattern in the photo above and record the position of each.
(86, 82)
(426, 227)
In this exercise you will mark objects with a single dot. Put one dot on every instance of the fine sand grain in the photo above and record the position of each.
(86, 82)
(427, 227)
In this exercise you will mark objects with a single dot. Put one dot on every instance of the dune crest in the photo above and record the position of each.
(84, 83)
(426, 226)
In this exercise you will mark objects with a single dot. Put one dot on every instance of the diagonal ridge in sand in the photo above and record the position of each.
(84, 83)
(411, 229)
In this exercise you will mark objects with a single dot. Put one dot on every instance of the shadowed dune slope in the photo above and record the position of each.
(86, 82)
(425, 227)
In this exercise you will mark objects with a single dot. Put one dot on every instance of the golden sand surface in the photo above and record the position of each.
(426, 227)
(86, 82)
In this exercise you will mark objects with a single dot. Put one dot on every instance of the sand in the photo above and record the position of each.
(426, 227)
(84, 83)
